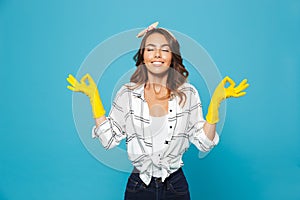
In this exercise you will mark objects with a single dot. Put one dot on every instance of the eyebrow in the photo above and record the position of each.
(163, 45)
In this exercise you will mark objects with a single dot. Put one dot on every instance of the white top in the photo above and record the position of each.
(129, 118)
(159, 133)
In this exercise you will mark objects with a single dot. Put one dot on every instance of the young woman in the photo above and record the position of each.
(159, 114)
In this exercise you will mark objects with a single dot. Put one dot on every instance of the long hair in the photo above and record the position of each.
(177, 74)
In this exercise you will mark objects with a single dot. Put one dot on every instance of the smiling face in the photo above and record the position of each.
(157, 55)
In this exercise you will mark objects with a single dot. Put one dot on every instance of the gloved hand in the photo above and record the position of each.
(221, 93)
(90, 90)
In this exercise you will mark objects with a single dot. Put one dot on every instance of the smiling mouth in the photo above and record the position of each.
(157, 63)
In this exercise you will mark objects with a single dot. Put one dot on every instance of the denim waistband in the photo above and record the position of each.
(159, 179)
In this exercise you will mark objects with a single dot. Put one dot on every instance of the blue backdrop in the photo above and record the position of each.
(41, 42)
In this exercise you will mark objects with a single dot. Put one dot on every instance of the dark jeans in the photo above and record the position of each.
(174, 187)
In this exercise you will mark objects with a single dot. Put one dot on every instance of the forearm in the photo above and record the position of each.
(210, 130)
(99, 120)
(108, 132)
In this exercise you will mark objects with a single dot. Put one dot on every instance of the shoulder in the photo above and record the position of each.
(127, 88)
(188, 88)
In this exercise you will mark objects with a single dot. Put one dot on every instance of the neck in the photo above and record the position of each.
(157, 85)
(157, 79)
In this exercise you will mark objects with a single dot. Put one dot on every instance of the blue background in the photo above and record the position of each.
(41, 155)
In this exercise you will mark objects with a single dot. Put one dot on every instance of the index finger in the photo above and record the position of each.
(87, 77)
(229, 80)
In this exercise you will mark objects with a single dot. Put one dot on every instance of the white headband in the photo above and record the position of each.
(143, 32)
(151, 27)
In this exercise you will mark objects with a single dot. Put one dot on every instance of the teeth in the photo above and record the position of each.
(157, 63)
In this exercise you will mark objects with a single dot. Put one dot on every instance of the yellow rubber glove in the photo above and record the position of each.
(90, 90)
(221, 93)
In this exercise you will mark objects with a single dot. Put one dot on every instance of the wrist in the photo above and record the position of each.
(97, 106)
(212, 116)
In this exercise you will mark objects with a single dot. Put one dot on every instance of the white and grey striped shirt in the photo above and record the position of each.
(129, 118)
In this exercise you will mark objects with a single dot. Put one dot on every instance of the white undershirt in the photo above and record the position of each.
(159, 132)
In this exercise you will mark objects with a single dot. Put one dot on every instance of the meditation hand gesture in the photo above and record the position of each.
(90, 90)
(221, 92)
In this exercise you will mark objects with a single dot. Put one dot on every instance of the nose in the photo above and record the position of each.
(157, 53)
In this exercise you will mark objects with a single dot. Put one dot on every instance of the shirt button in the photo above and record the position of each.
(170, 110)
(170, 126)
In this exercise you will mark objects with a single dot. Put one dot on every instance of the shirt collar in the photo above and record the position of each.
(139, 92)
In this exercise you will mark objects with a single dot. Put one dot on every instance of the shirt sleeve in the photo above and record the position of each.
(112, 130)
(196, 122)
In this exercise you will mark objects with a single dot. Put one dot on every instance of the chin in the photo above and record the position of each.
(159, 72)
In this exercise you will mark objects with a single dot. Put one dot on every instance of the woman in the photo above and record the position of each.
(159, 114)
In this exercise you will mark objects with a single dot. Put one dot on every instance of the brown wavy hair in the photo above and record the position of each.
(177, 74)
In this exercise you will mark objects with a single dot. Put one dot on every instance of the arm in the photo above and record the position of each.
(92, 92)
(210, 130)
(203, 132)
(100, 120)
(108, 130)
(221, 92)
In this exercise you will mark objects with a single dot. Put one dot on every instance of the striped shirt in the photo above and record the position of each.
(129, 118)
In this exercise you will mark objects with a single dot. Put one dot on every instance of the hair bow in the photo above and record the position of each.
(143, 32)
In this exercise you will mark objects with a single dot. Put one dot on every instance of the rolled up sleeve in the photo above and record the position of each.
(196, 122)
(112, 130)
